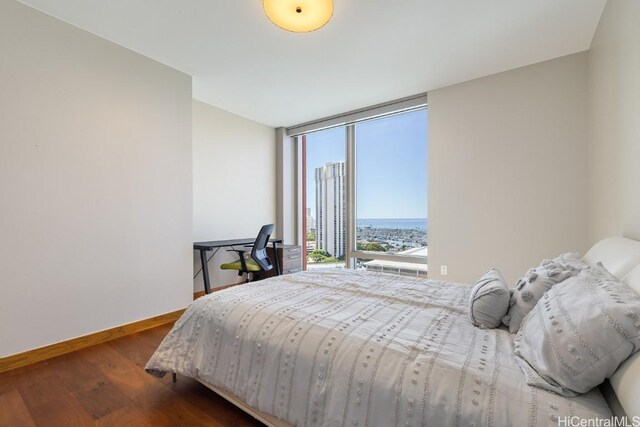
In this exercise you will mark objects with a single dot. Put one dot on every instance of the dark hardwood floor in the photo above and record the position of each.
(105, 385)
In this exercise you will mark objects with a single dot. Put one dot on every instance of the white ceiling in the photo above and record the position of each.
(372, 51)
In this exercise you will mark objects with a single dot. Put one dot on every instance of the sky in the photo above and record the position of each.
(391, 159)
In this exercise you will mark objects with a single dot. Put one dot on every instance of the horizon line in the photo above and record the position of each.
(426, 217)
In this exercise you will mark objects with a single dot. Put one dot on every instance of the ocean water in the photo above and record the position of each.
(401, 223)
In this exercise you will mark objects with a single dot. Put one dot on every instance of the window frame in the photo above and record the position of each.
(352, 254)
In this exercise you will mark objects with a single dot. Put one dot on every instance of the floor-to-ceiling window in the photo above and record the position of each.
(365, 194)
(325, 210)
(391, 192)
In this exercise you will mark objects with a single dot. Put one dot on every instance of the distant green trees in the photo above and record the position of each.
(371, 247)
(311, 236)
(320, 255)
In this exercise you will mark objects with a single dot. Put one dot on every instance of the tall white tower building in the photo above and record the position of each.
(330, 208)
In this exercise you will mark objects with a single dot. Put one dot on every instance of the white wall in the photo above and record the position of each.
(508, 169)
(234, 185)
(614, 118)
(95, 183)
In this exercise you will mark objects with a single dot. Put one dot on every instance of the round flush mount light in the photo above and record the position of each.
(299, 16)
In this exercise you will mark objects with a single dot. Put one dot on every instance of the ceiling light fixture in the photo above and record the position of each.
(299, 16)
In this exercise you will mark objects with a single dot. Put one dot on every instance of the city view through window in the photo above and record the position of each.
(390, 195)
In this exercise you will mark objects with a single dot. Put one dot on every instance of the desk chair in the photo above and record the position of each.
(258, 260)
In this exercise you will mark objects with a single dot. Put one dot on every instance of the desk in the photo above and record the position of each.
(203, 247)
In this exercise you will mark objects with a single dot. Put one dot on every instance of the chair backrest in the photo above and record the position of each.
(259, 251)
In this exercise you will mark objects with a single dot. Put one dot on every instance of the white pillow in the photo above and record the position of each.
(579, 333)
(530, 288)
(489, 300)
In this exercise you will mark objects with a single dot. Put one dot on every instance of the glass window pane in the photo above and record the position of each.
(326, 198)
(391, 185)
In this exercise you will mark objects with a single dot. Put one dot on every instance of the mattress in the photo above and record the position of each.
(357, 348)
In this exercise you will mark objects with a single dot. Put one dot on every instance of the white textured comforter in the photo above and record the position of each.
(356, 348)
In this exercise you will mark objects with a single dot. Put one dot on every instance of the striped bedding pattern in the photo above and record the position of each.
(355, 348)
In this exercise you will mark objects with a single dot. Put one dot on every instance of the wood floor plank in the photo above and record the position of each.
(6, 383)
(157, 334)
(13, 411)
(8, 379)
(105, 385)
(143, 388)
(125, 417)
(133, 381)
(61, 412)
(102, 400)
(50, 403)
(75, 373)
(180, 413)
(137, 348)
(207, 400)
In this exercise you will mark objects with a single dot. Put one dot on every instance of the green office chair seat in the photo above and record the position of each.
(252, 266)
(258, 260)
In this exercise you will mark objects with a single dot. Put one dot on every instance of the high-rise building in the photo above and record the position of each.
(311, 221)
(330, 208)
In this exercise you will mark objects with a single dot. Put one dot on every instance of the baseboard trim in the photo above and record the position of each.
(43, 353)
(58, 349)
(199, 294)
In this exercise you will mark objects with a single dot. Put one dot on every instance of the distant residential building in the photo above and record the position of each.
(330, 208)
(401, 267)
(311, 246)
(311, 221)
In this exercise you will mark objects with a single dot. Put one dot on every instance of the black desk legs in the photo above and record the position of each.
(277, 260)
(216, 245)
(205, 271)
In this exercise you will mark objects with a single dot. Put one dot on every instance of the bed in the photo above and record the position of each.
(358, 348)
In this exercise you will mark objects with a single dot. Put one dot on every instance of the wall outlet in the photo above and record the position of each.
(443, 270)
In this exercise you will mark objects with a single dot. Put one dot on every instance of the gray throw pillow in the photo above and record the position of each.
(530, 288)
(579, 333)
(489, 300)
